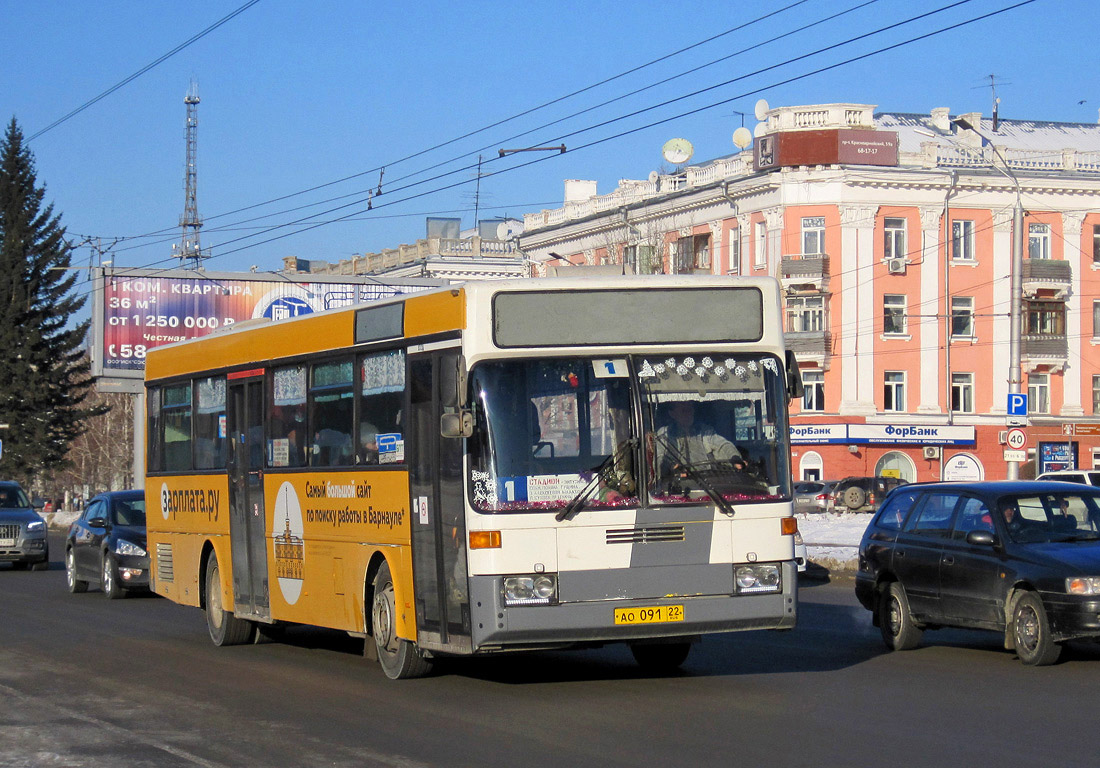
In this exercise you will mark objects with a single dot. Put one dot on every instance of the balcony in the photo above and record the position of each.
(1044, 349)
(1049, 274)
(809, 346)
(804, 269)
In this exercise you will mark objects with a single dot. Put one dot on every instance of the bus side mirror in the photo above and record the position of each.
(452, 385)
(795, 389)
(460, 424)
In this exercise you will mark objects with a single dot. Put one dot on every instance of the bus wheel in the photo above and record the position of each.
(660, 657)
(225, 628)
(399, 658)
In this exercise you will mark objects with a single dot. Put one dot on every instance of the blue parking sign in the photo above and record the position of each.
(1017, 404)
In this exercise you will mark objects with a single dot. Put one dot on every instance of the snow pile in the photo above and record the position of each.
(832, 539)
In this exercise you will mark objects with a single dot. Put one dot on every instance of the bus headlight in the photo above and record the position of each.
(757, 578)
(539, 589)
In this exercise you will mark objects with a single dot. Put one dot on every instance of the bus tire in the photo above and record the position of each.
(225, 628)
(398, 658)
(660, 657)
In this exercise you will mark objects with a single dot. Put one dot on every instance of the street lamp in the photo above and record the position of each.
(1016, 284)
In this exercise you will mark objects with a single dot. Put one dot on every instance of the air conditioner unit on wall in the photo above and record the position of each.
(931, 451)
(895, 266)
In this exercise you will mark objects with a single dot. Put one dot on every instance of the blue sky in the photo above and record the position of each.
(299, 94)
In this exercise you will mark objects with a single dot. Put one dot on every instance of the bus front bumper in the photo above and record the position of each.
(496, 626)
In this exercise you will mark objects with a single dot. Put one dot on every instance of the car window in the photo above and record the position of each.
(934, 516)
(129, 512)
(973, 516)
(94, 510)
(893, 512)
(1094, 478)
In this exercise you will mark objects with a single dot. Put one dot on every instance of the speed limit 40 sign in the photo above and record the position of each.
(1016, 439)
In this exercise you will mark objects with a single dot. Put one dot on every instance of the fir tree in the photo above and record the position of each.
(45, 376)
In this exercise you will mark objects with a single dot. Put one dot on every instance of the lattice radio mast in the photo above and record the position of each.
(190, 249)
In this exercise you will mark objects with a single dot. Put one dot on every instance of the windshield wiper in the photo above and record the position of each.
(577, 502)
(695, 477)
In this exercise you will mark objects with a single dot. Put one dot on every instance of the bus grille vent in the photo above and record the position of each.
(645, 535)
(165, 570)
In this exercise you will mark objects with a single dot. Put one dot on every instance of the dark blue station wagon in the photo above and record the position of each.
(1018, 558)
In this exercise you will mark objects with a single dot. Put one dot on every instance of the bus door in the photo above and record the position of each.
(438, 508)
(245, 417)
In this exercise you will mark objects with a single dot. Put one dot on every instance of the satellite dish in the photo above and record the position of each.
(759, 130)
(742, 137)
(762, 110)
(504, 230)
(653, 175)
(677, 151)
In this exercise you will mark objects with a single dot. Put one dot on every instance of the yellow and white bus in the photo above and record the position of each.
(488, 467)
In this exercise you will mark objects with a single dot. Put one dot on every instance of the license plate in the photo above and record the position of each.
(658, 614)
(7, 542)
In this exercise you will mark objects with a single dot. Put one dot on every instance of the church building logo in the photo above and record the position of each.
(286, 531)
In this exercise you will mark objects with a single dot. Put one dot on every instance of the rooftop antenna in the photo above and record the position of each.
(996, 101)
(190, 248)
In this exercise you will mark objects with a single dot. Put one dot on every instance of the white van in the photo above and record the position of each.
(1085, 477)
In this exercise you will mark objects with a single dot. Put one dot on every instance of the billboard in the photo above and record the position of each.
(850, 146)
(136, 310)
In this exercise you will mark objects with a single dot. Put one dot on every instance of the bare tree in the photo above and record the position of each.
(101, 458)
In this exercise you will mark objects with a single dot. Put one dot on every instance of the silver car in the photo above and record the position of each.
(813, 496)
(23, 539)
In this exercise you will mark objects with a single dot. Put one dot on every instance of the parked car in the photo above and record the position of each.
(107, 544)
(23, 539)
(812, 496)
(1083, 476)
(1021, 558)
(862, 494)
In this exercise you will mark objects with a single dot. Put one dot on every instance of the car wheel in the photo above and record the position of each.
(660, 657)
(854, 497)
(398, 658)
(109, 579)
(899, 631)
(75, 585)
(225, 628)
(1031, 632)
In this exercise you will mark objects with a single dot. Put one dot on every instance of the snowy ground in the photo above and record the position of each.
(833, 538)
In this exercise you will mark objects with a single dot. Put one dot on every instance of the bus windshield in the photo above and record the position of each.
(564, 431)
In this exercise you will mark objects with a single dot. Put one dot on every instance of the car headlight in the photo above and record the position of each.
(1083, 585)
(539, 589)
(757, 578)
(36, 525)
(123, 547)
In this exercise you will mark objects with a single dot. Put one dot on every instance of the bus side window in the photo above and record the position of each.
(381, 393)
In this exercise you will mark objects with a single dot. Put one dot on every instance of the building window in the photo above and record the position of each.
(962, 316)
(894, 231)
(962, 392)
(1038, 241)
(640, 259)
(813, 236)
(1046, 318)
(1096, 243)
(1096, 394)
(1096, 319)
(893, 313)
(805, 313)
(813, 398)
(1038, 392)
(761, 257)
(735, 252)
(962, 240)
(893, 391)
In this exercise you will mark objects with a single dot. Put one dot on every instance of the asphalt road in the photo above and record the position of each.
(89, 682)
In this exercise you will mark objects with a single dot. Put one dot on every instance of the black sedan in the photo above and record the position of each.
(107, 544)
(1018, 558)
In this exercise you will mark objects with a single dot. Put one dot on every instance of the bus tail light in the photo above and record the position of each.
(789, 526)
(484, 539)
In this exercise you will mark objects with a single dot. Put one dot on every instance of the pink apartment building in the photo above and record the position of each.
(892, 237)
